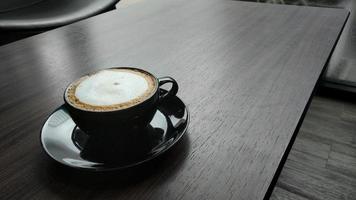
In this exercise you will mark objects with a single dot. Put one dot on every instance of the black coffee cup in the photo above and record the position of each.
(122, 121)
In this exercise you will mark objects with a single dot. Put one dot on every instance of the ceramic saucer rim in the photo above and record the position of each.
(112, 167)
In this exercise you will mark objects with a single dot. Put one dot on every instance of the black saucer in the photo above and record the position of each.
(63, 141)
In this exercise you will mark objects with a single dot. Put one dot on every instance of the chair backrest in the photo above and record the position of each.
(23, 18)
(8, 5)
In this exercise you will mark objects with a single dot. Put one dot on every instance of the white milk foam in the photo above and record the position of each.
(109, 87)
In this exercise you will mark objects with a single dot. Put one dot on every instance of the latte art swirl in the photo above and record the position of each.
(111, 89)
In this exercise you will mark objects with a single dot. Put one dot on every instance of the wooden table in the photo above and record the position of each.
(247, 72)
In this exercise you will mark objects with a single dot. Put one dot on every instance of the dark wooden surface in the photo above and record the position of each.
(245, 70)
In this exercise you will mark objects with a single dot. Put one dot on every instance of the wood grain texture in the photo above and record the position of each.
(281, 194)
(314, 176)
(245, 70)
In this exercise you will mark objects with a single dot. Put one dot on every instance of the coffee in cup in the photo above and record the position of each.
(111, 89)
(116, 99)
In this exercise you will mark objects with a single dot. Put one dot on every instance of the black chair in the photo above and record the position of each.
(22, 18)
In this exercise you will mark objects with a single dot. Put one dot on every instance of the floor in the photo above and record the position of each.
(322, 162)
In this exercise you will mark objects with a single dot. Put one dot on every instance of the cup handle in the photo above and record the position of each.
(172, 92)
